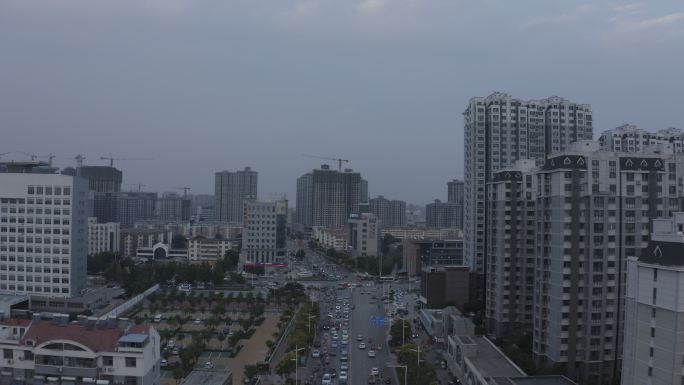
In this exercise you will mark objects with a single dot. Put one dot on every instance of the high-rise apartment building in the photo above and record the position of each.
(330, 195)
(264, 234)
(391, 213)
(630, 138)
(498, 130)
(102, 237)
(304, 209)
(43, 233)
(105, 184)
(173, 207)
(441, 215)
(455, 191)
(511, 236)
(654, 308)
(136, 206)
(231, 191)
(594, 209)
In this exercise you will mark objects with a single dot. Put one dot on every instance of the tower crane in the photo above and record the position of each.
(4, 153)
(338, 160)
(185, 190)
(111, 159)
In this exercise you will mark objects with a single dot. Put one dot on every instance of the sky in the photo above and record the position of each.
(199, 86)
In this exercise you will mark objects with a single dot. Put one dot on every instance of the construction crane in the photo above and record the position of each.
(32, 155)
(50, 157)
(111, 159)
(4, 153)
(79, 160)
(185, 190)
(338, 160)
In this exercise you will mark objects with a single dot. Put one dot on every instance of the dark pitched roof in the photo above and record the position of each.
(663, 253)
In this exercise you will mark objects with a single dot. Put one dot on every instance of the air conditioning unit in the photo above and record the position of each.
(59, 369)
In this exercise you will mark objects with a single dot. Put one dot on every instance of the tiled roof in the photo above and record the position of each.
(95, 339)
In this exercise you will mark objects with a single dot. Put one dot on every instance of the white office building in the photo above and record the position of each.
(263, 234)
(102, 237)
(43, 233)
(654, 308)
(201, 249)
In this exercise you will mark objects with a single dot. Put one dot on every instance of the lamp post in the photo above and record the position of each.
(405, 371)
(296, 360)
(417, 351)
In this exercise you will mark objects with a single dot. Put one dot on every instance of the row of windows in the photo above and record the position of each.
(36, 201)
(49, 190)
(34, 289)
(32, 259)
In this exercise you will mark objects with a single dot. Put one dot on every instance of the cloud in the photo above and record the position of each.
(304, 8)
(563, 17)
(371, 6)
(628, 8)
(624, 25)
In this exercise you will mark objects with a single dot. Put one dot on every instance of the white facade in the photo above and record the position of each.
(630, 138)
(330, 238)
(259, 234)
(207, 249)
(102, 237)
(654, 315)
(42, 351)
(43, 234)
(364, 234)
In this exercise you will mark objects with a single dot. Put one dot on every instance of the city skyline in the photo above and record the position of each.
(312, 77)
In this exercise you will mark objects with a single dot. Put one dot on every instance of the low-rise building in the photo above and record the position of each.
(160, 251)
(102, 237)
(55, 351)
(330, 237)
(419, 253)
(202, 249)
(446, 285)
(137, 238)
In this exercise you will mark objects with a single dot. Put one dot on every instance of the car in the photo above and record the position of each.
(443, 364)
(360, 337)
(327, 379)
(388, 380)
(208, 365)
(198, 321)
(225, 330)
(316, 353)
(333, 373)
(344, 367)
(362, 345)
(371, 353)
(374, 371)
(164, 364)
(175, 351)
(247, 380)
(343, 377)
(371, 379)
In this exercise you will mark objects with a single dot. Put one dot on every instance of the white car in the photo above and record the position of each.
(208, 365)
(316, 353)
(198, 321)
(327, 379)
(344, 366)
(359, 337)
(362, 345)
(375, 371)
(371, 353)
(343, 376)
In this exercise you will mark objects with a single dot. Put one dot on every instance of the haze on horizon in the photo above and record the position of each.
(206, 85)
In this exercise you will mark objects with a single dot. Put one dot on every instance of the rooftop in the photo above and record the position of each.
(663, 253)
(490, 361)
(537, 380)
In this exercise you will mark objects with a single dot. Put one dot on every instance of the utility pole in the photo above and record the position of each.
(296, 360)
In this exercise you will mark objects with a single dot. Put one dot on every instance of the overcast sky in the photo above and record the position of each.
(206, 85)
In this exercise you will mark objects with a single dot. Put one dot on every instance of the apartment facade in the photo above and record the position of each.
(43, 234)
(654, 308)
(102, 237)
(455, 191)
(105, 184)
(364, 235)
(231, 191)
(630, 138)
(173, 207)
(511, 237)
(498, 130)
(136, 206)
(391, 213)
(201, 249)
(440, 215)
(594, 209)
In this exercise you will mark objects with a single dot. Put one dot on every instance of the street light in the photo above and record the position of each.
(389, 365)
(417, 351)
(296, 360)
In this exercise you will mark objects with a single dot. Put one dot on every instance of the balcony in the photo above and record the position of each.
(49, 370)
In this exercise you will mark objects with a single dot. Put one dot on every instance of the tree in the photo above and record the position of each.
(230, 260)
(286, 365)
(178, 374)
(396, 332)
(179, 241)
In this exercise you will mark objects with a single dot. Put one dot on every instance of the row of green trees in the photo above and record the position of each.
(301, 337)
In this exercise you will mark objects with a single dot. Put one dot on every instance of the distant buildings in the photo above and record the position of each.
(43, 233)
(331, 238)
(105, 184)
(231, 191)
(435, 252)
(443, 215)
(133, 239)
(629, 138)
(102, 237)
(654, 308)
(264, 234)
(173, 207)
(38, 350)
(390, 213)
(136, 206)
(364, 235)
(326, 198)
(455, 191)
(498, 130)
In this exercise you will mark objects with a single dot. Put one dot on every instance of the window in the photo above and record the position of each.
(7, 354)
(107, 361)
(131, 362)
